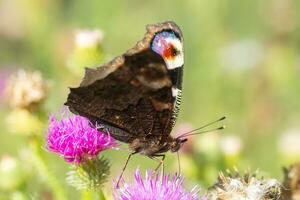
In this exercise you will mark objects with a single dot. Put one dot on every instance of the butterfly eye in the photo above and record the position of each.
(174, 52)
(170, 52)
(169, 46)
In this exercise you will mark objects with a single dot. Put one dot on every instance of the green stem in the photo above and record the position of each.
(86, 195)
(101, 195)
(42, 168)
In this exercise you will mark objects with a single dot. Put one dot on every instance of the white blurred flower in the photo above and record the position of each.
(207, 143)
(246, 187)
(289, 143)
(25, 89)
(88, 51)
(17, 195)
(230, 145)
(7, 163)
(11, 173)
(241, 55)
(88, 38)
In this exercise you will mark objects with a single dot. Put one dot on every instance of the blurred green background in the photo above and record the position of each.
(242, 60)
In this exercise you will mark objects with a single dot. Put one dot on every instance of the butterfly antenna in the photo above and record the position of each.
(206, 131)
(204, 126)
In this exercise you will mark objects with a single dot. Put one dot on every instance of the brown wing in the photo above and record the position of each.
(132, 93)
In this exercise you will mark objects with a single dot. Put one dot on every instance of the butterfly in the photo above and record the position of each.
(137, 95)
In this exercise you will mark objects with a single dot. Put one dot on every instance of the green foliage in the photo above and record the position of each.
(241, 61)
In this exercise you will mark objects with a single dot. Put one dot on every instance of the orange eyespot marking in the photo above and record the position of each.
(170, 52)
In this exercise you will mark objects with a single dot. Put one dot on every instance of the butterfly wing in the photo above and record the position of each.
(133, 94)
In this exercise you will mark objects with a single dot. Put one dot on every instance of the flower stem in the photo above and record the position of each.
(86, 195)
(42, 168)
(101, 195)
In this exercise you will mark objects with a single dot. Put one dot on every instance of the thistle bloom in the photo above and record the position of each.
(75, 139)
(154, 187)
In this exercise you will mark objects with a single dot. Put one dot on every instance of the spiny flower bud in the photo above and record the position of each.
(89, 174)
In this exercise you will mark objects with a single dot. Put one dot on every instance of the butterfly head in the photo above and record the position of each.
(169, 46)
(177, 144)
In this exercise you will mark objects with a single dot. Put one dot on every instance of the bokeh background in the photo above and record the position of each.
(242, 60)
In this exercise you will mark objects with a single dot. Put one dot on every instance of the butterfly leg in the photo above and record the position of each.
(124, 168)
(160, 161)
(179, 166)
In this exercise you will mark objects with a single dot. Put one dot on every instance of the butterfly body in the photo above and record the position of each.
(153, 147)
(137, 95)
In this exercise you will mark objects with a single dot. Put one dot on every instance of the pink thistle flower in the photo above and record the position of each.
(74, 138)
(154, 187)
